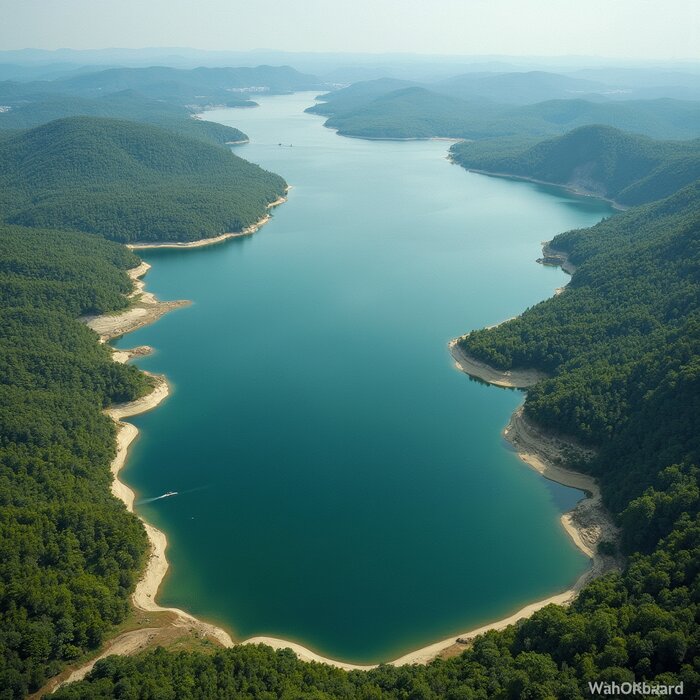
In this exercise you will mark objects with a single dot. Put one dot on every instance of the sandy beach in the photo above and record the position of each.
(145, 309)
(110, 326)
(248, 231)
(451, 139)
(143, 597)
(509, 379)
(147, 588)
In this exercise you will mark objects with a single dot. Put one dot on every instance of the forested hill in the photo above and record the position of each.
(396, 109)
(621, 344)
(196, 88)
(70, 553)
(192, 85)
(598, 159)
(129, 182)
(357, 95)
(127, 104)
(163, 96)
(514, 88)
(414, 112)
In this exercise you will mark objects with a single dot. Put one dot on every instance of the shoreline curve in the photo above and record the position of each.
(147, 587)
(587, 524)
(202, 242)
(568, 187)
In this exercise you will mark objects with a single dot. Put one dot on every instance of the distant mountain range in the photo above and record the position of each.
(479, 106)
(127, 104)
(197, 88)
(163, 96)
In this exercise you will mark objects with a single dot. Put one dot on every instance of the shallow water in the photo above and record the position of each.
(339, 483)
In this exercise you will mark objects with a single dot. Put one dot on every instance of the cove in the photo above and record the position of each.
(339, 483)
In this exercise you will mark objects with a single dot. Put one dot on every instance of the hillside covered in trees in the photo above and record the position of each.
(415, 112)
(69, 551)
(621, 346)
(127, 104)
(597, 159)
(195, 88)
(389, 108)
(129, 182)
(163, 96)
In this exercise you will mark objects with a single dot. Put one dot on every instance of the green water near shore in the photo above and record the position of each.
(339, 483)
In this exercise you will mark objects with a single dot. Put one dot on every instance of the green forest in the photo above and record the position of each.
(129, 182)
(127, 104)
(195, 89)
(390, 108)
(69, 552)
(621, 346)
(624, 167)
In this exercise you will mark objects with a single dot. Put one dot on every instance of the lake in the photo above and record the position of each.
(340, 483)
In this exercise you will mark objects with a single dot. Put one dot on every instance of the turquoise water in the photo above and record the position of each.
(339, 483)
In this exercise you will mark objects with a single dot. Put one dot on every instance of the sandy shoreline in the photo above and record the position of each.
(587, 525)
(451, 139)
(146, 589)
(110, 326)
(568, 187)
(145, 309)
(510, 379)
(556, 258)
(248, 231)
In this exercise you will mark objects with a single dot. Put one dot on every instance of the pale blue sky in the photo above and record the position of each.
(654, 29)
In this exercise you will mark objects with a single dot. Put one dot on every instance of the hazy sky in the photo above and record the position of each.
(655, 29)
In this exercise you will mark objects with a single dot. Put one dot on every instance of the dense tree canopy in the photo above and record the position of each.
(195, 88)
(127, 104)
(69, 551)
(603, 160)
(617, 343)
(389, 108)
(129, 182)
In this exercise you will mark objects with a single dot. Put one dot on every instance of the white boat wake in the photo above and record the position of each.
(157, 498)
(169, 494)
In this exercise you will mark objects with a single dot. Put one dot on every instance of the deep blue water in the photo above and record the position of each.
(340, 483)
